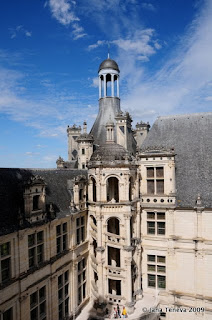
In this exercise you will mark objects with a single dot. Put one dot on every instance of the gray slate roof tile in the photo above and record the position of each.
(191, 137)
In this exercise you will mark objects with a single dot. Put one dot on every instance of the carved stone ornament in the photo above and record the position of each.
(35, 180)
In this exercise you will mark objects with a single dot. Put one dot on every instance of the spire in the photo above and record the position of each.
(108, 48)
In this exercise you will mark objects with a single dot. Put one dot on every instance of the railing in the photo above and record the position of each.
(114, 237)
(116, 271)
(114, 298)
(158, 199)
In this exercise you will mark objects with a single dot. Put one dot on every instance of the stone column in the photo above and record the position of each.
(90, 191)
(128, 288)
(170, 222)
(99, 230)
(105, 85)
(199, 223)
(171, 262)
(127, 226)
(172, 167)
(75, 288)
(118, 86)
(138, 235)
(138, 291)
(98, 188)
(112, 85)
(100, 87)
(100, 258)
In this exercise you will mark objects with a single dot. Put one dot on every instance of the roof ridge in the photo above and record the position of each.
(185, 115)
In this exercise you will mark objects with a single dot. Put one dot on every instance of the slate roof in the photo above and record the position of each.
(191, 137)
(109, 107)
(110, 152)
(58, 192)
(85, 137)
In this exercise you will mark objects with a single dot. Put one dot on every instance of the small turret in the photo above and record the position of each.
(85, 147)
(141, 132)
(73, 133)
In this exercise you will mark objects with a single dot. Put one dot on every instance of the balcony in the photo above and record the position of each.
(158, 200)
(115, 271)
(115, 298)
(114, 238)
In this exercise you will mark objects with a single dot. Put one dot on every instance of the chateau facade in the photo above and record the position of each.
(126, 220)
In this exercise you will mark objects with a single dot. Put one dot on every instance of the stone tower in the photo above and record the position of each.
(85, 147)
(114, 220)
(73, 133)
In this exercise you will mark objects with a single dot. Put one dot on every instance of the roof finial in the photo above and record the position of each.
(108, 54)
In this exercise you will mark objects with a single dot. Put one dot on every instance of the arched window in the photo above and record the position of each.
(94, 189)
(131, 189)
(115, 86)
(108, 85)
(113, 189)
(113, 226)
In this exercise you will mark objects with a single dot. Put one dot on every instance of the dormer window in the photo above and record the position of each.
(34, 199)
(80, 191)
(36, 202)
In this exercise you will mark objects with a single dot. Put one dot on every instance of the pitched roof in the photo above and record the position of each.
(12, 183)
(191, 137)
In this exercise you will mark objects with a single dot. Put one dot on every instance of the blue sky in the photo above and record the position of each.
(49, 57)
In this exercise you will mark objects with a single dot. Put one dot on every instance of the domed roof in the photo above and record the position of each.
(109, 64)
(110, 152)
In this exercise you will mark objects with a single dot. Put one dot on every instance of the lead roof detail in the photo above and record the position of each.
(109, 64)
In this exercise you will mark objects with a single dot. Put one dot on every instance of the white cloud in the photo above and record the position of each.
(31, 154)
(19, 30)
(182, 84)
(208, 98)
(61, 10)
(140, 43)
(78, 31)
(148, 6)
(40, 146)
(28, 34)
(143, 58)
(50, 158)
(95, 82)
(97, 44)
